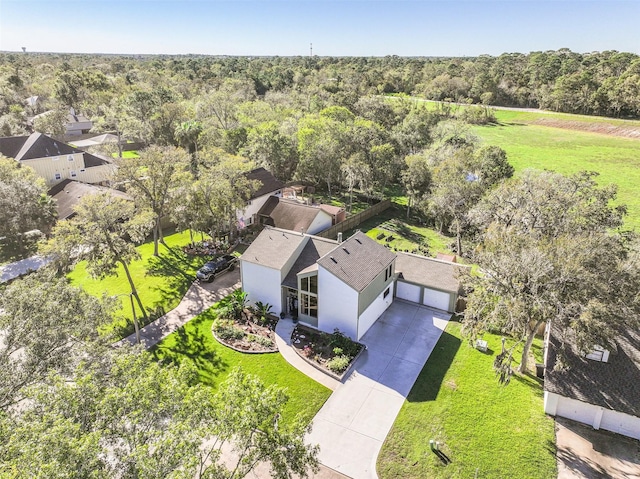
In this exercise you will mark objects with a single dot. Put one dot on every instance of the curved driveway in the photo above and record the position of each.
(352, 425)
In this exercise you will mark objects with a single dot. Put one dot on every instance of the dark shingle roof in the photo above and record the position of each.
(273, 247)
(38, 145)
(315, 249)
(429, 272)
(68, 194)
(614, 385)
(289, 215)
(268, 181)
(357, 261)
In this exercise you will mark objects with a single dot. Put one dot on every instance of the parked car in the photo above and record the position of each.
(216, 266)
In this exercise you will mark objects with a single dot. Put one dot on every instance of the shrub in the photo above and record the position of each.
(261, 340)
(337, 351)
(348, 347)
(307, 351)
(338, 364)
(226, 330)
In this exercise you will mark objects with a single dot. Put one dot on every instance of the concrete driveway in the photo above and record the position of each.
(353, 423)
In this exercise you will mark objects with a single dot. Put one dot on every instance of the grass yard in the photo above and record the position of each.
(531, 144)
(127, 154)
(487, 430)
(215, 361)
(161, 281)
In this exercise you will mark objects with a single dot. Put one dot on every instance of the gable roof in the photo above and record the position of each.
(315, 249)
(614, 385)
(357, 261)
(290, 215)
(268, 181)
(39, 145)
(273, 247)
(429, 272)
(68, 194)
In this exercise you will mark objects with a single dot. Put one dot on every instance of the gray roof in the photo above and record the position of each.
(315, 249)
(429, 272)
(289, 215)
(39, 145)
(357, 261)
(613, 385)
(273, 247)
(268, 181)
(68, 194)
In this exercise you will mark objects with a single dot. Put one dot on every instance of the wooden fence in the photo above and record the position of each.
(353, 221)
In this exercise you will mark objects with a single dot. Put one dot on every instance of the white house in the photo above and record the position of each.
(293, 216)
(270, 186)
(601, 389)
(329, 284)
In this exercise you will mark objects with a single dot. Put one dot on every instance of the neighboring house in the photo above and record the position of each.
(77, 124)
(331, 284)
(293, 216)
(338, 214)
(601, 389)
(270, 186)
(56, 161)
(68, 194)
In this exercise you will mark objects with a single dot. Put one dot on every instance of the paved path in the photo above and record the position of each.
(352, 425)
(15, 270)
(198, 298)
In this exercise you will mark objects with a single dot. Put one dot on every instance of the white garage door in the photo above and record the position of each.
(410, 292)
(436, 299)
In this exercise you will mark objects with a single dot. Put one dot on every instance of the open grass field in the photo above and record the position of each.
(161, 281)
(215, 361)
(486, 430)
(557, 142)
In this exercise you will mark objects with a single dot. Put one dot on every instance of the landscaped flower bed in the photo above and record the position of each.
(249, 330)
(333, 353)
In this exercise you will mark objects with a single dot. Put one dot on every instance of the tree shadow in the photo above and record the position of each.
(531, 381)
(586, 467)
(193, 344)
(430, 379)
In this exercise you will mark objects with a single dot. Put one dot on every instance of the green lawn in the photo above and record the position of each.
(487, 430)
(530, 145)
(127, 154)
(161, 281)
(215, 361)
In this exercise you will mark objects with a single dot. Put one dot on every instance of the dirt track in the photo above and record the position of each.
(599, 127)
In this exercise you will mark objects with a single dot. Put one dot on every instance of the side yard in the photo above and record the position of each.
(486, 430)
(161, 281)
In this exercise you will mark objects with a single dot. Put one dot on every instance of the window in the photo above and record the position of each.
(598, 354)
(309, 305)
(386, 275)
(58, 176)
(73, 174)
(309, 284)
(82, 170)
(386, 292)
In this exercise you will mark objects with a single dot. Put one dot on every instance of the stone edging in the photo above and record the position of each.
(244, 351)
(328, 372)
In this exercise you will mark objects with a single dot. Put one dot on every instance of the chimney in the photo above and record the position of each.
(340, 237)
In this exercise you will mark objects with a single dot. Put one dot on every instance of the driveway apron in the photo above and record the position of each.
(353, 423)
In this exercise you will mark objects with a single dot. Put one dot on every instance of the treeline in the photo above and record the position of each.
(599, 83)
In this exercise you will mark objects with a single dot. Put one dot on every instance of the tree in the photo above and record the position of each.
(548, 254)
(135, 418)
(47, 325)
(103, 232)
(355, 170)
(416, 179)
(152, 179)
(24, 203)
(52, 122)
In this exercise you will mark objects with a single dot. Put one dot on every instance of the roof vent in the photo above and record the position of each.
(358, 240)
(334, 260)
(346, 250)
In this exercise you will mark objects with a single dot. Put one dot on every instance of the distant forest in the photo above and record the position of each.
(599, 83)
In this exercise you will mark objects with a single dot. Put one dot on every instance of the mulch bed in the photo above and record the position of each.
(252, 329)
(317, 347)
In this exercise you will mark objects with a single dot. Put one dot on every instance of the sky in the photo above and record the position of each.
(333, 27)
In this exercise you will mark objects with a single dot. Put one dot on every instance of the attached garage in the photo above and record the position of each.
(427, 281)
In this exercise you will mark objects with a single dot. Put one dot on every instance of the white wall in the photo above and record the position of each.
(262, 284)
(437, 299)
(252, 209)
(320, 223)
(337, 305)
(374, 311)
(594, 416)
